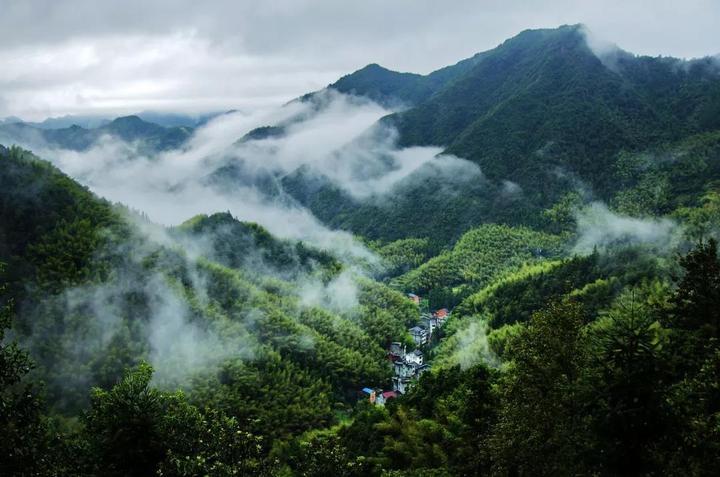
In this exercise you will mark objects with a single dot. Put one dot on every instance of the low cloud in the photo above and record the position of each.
(333, 136)
(179, 346)
(598, 226)
(606, 51)
(339, 295)
(510, 188)
(145, 315)
(469, 345)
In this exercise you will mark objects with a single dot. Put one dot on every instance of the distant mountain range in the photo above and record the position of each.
(153, 131)
(128, 128)
(94, 121)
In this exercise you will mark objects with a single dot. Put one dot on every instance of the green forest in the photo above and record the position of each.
(580, 272)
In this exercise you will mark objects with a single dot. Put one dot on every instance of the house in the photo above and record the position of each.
(378, 396)
(414, 298)
(419, 335)
(430, 324)
(387, 395)
(396, 351)
(441, 313)
(404, 369)
(409, 372)
(401, 385)
(416, 357)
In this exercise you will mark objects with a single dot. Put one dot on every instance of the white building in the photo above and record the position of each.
(416, 357)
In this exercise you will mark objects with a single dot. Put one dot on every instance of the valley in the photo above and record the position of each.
(506, 266)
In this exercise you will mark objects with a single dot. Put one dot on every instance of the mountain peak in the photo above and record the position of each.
(373, 68)
(565, 35)
(128, 120)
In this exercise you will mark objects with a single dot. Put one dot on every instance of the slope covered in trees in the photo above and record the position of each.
(542, 115)
(632, 390)
(582, 337)
(235, 337)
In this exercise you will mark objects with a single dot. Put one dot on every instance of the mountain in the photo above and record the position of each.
(566, 272)
(95, 121)
(98, 289)
(545, 91)
(87, 122)
(170, 120)
(541, 112)
(250, 247)
(392, 88)
(10, 120)
(151, 137)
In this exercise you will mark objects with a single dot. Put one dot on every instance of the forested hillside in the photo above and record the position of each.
(508, 267)
(94, 295)
(542, 115)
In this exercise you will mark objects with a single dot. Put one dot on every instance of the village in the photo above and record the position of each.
(408, 366)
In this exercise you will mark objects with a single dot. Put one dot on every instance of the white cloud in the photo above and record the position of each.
(82, 56)
(126, 74)
(334, 142)
(597, 226)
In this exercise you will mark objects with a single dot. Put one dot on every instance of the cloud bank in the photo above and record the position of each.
(598, 226)
(83, 56)
(335, 137)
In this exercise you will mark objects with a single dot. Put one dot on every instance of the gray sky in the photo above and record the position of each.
(101, 57)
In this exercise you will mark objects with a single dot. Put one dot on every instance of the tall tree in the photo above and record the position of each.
(22, 429)
(543, 426)
(697, 299)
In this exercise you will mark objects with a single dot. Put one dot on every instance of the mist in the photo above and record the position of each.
(469, 345)
(333, 136)
(598, 226)
(223, 168)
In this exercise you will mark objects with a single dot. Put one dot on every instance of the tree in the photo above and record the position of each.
(543, 426)
(322, 453)
(697, 299)
(629, 373)
(693, 446)
(23, 445)
(136, 430)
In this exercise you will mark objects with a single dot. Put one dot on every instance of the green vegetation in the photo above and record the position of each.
(256, 351)
(250, 247)
(624, 393)
(480, 256)
(544, 112)
(556, 359)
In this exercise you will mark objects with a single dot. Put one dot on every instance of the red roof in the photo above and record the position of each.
(441, 313)
(389, 394)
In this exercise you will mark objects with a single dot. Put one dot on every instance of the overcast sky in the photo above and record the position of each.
(100, 57)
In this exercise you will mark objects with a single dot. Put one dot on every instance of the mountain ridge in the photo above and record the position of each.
(543, 111)
(153, 137)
